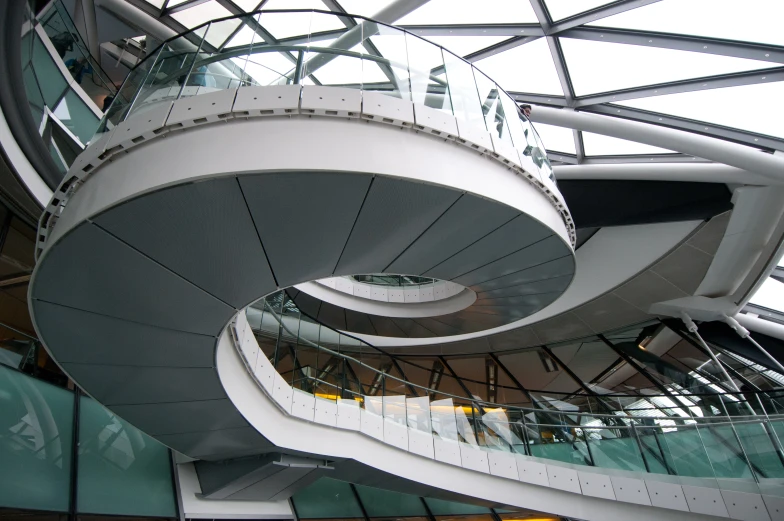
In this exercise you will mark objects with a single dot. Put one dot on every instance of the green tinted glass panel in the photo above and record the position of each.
(122, 471)
(566, 452)
(77, 116)
(688, 453)
(50, 79)
(386, 503)
(725, 452)
(617, 453)
(657, 456)
(327, 499)
(35, 443)
(439, 507)
(758, 445)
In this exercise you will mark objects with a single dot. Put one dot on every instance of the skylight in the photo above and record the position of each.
(770, 295)
(604, 66)
(533, 70)
(560, 9)
(366, 8)
(749, 20)
(756, 108)
(471, 12)
(599, 145)
(556, 138)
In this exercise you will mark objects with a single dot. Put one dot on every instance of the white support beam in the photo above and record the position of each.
(686, 172)
(717, 150)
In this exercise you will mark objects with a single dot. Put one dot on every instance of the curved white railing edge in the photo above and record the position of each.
(713, 497)
(290, 101)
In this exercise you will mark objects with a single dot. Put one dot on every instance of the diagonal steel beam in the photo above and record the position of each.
(718, 46)
(475, 30)
(499, 48)
(554, 100)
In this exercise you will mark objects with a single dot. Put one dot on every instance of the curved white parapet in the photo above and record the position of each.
(295, 420)
(326, 145)
(427, 300)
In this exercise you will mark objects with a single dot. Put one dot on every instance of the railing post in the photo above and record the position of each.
(298, 68)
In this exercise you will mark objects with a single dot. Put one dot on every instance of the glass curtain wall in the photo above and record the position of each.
(66, 88)
(332, 499)
(61, 452)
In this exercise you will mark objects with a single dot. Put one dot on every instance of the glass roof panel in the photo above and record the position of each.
(749, 20)
(603, 66)
(465, 45)
(756, 108)
(266, 68)
(471, 12)
(247, 5)
(287, 25)
(364, 7)
(173, 3)
(556, 139)
(198, 14)
(599, 145)
(246, 36)
(537, 76)
(770, 295)
(560, 9)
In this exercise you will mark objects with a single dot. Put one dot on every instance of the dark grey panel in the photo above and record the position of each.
(395, 213)
(332, 316)
(510, 313)
(307, 304)
(467, 221)
(514, 339)
(177, 418)
(84, 337)
(203, 232)
(121, 385)
(530, 288)
(470, 322)
(435, 325)
(519, 300)
(412, 329)
(385, 327)
(93, 271)
(304, 219)
(359, 323)
(218, 445)
(556, 268)
(537, 253)
(514, 235)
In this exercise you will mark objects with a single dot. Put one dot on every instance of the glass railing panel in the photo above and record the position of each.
(418, 414)
(169, 72)
(689, 457)
(492, 108)
(615, 449)
(727, 457)
(499, 431)
(429, 85)
(443, 420)
(395, 408)
(657, 457)
(462, 87)
(513, 117)
(559, 443)
(385, 62)
(758, 443)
